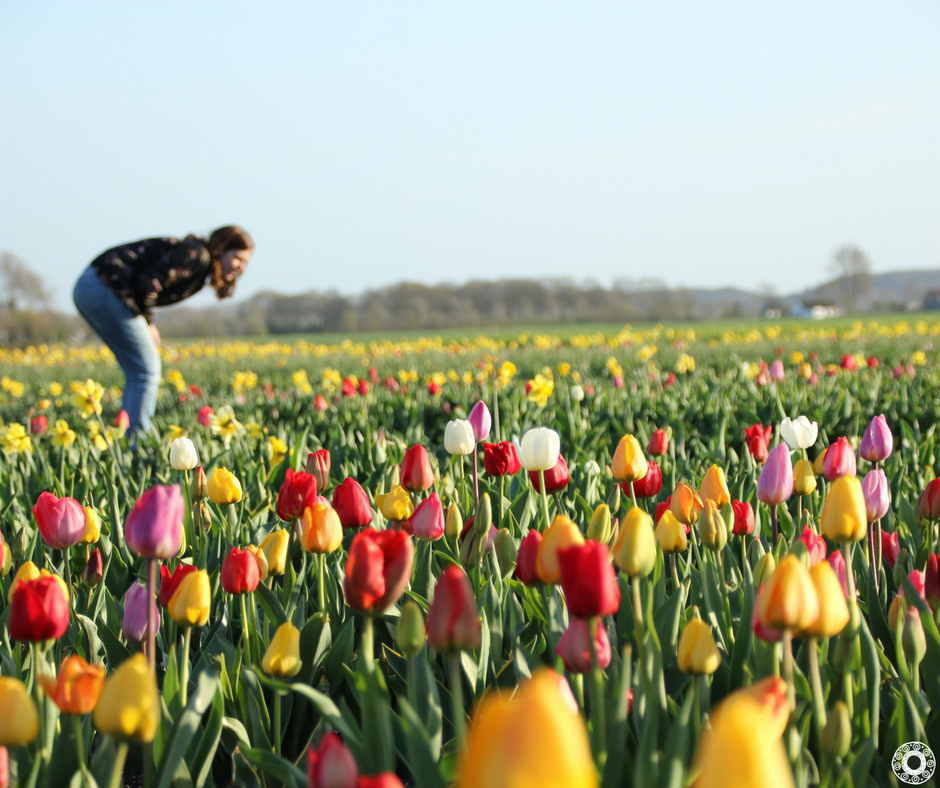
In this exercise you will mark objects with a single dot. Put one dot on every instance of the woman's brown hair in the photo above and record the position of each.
(230, 238)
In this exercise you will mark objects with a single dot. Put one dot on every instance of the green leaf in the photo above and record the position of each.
(271, 604)
(201, 762)
(277, 767)
(181, 737)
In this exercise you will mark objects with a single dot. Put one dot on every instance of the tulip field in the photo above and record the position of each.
(657, 558)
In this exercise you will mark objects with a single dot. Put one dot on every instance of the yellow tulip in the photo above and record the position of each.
(629, 463)
(92, 529)
(274, 548)
(844, 518)
(714, 487)
(698, 655)
(7, 563)
(764, 569)
(278, 450)
(321, 531)
(789, 601)
(19, 722)
(600, 526)
(804, 480)
(224, 487)
(282, 659)
(743, 746)
(833, 610)
(712, 528)
(129, 705)
(686, 504)
(191, 601)
(532, 739)
(395, 505)
(561, 533)
(27, 571)
(262, 560)
(820, 460)
(635, 548)
(670, 534)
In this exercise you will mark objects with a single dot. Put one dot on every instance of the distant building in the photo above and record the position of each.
(932, 300)
(816, 309)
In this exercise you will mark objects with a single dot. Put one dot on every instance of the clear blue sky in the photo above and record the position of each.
(364, 143)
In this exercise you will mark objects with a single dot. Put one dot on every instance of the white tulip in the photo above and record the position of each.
(458, 437)
(800, 433)
(539, 449)
(591, 468)
(577, 393)
(183, 455)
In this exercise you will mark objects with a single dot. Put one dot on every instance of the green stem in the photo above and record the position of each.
(321, 583)
(277, 722)
(456, 694)
(788, 667)
(151, 618)
(79, 743)
(849, 571)
(292, 528)
(117, 773)
(632, 494)
(184, 666)
(366, 647)
(68, 575)
(40, 698)
(246, 634)
(675, 571)
(502, 506)
(598, 710)
(696, 705)
(544, 498)
(819, 702)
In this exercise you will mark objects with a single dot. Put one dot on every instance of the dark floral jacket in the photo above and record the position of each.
(154, 272)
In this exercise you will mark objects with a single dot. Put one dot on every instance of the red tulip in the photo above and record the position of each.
(348, 388)
(649, 486)
(331, 765)
(815, 544)
(416, 472)
(122, 421)
(574, 648)
(758, 431)
(39, 610)
(661, 509)
(555, 478)
(240, 573)
(203, 415)
(38, 425)
(658, 443)
(589, 580)
(352, 504)
(363, 387)
(890, 546)
(930, 501)
(94, 569)
(320, 403)
(743, 518)
(849, 363)
(61, 521)
(839, 460)
(377, 570)
(169, 583)
(318, 466)
(872, 362)
(500, 459)
(453, 619)
(525, 570)
(297, 493)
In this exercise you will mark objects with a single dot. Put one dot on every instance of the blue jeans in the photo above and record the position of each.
(129, 338)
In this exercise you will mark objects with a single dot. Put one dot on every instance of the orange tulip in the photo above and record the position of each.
(561, 533)
(686, 504)
(77, 687)
(789, 601)
(714, 487)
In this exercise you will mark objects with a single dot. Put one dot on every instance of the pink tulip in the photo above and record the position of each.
(878, 442)
(815, 544)
(776, 370)
(837, 562)
(574, 648)
(61, 521)
(877, 495)
(203, 415)
(775, 484)
(331, 765)
(840, 460)
(427, 522)
(154, 528)
(481, 421)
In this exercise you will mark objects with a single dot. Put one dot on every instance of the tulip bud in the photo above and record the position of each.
(804, 480)
(742, 517)
(844, 518)
(410, 632)
(635, 548)
(453, 522)
(318, 466)
(698, 655)
(6, 564)
(837, 733)
(715, 487)
(599, 527)
(913, 641)
(183, 456)
(205, 515)
(613, 500)
(711, 527)
(481, 421)
(560, 534)
(629, 464)
(129, 705)
(199, 487)
(453, 618)
(484, 516)
(92, 528)
(224, 487)
(19, 721)
(658, 443)
(282, 658)
(20, 544)
(94, 569)
(929, 508)
(505, 552)
(855, 617)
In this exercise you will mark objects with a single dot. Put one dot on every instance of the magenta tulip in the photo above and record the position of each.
(428, 520)
(775, 484)
(574, 648)
(135, 613)
(480, 421)
(154, 528)
(878, 442)
(877, 495)
(61, 521)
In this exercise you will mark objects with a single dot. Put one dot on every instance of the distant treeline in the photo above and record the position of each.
(410, 306)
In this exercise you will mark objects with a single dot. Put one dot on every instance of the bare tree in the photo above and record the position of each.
(853, 271)
(20, 288)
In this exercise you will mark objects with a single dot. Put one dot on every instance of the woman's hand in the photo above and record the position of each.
(155, 333)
